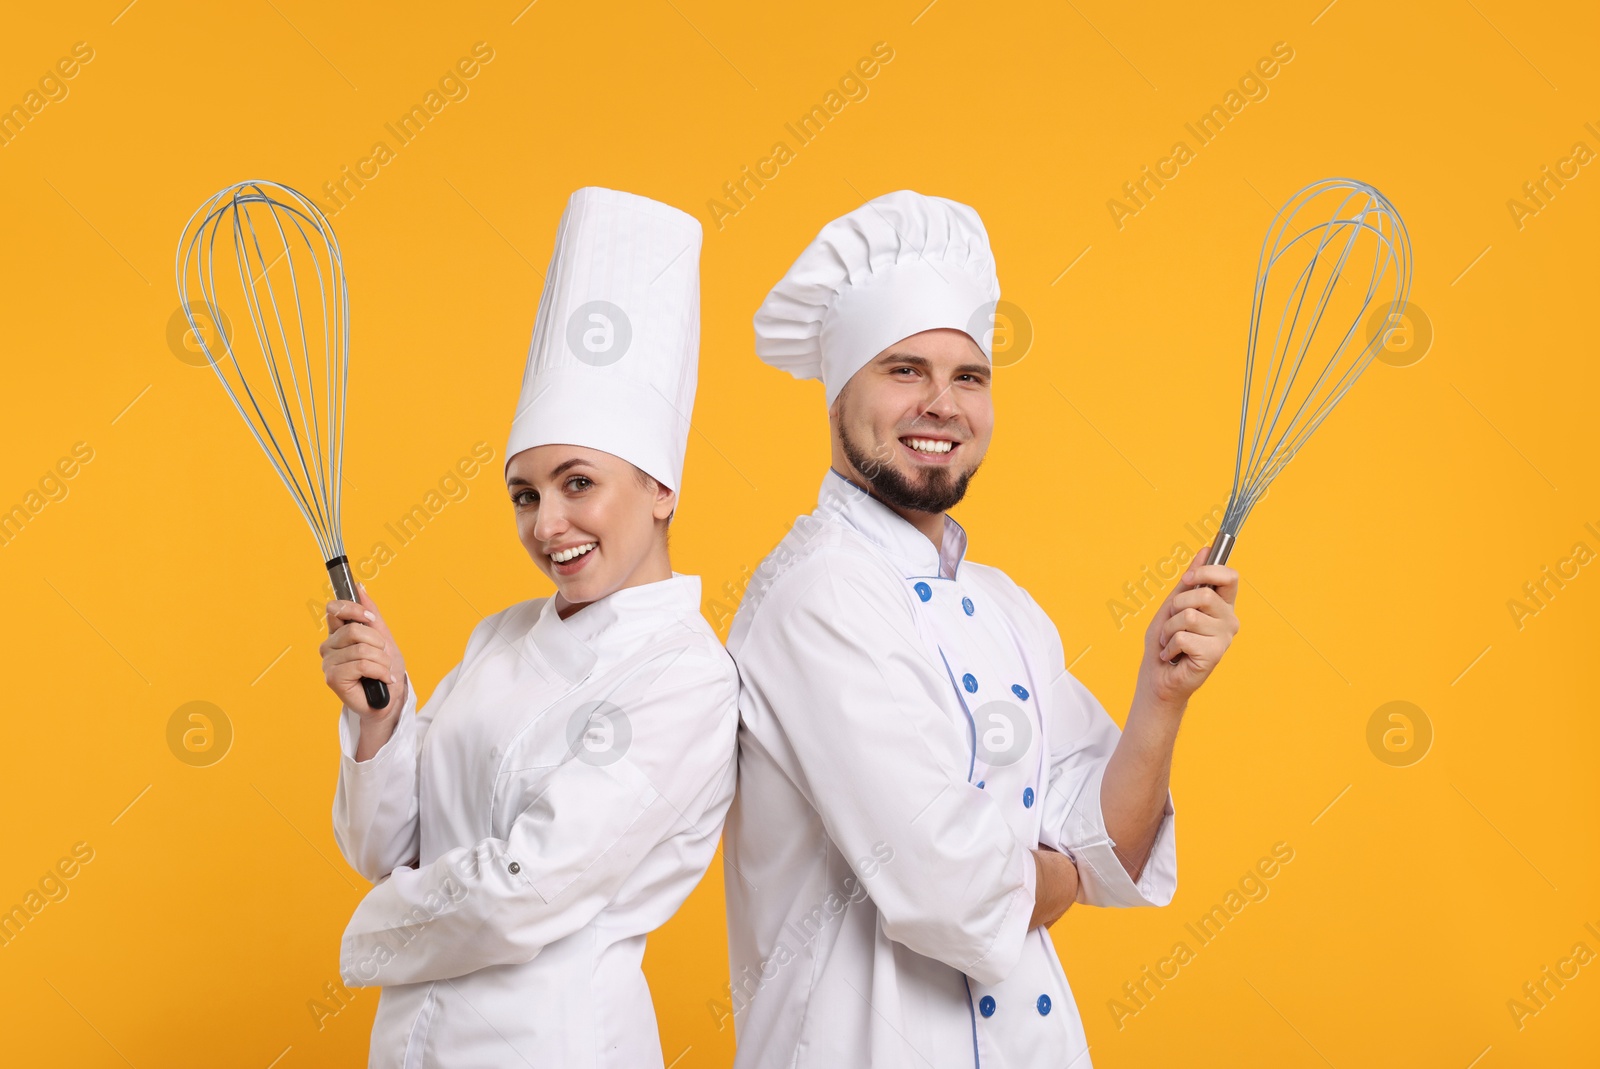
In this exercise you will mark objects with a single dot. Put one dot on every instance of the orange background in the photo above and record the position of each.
(1421, 896)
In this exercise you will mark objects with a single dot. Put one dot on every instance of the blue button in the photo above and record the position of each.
(924, 591)
(986, 1005)
(1020, 691)
(966, 606)
(980, 784)
(1027, 797)
(970, 681)
(1044, 1005)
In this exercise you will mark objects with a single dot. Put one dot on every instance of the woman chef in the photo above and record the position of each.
(562, 790)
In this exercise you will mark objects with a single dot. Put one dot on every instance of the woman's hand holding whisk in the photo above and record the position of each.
(358, 645)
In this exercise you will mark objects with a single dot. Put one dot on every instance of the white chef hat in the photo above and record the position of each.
(616, 342)
(898, 265)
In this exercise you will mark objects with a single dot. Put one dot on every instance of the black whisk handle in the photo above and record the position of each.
(344, 588)
(377, 692)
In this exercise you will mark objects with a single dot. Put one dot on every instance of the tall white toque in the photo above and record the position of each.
(896, 266)
(616, 342)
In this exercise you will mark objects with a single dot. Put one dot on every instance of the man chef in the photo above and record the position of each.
(923, 787)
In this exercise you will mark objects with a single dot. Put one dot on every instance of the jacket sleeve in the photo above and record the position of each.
(375, 802)
(582, 829)
(871, 720)
(1082, 736)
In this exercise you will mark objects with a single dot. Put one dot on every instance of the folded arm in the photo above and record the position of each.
(873, 725)
(582, 830)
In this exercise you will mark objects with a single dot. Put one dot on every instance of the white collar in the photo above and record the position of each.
(572, 646)
(845, 502)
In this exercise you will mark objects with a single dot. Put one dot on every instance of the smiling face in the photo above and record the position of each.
(591, 521)
(914, 424)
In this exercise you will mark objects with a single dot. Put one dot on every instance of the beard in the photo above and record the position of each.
(939, 490)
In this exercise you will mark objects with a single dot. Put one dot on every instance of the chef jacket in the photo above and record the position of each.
(556, 799)
(908, 734)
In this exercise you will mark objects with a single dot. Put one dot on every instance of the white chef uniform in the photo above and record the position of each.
(908, 733)
(562, 790)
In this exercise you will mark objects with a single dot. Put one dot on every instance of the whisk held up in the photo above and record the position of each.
(268, 230)
(1334, 255)
(265, 249)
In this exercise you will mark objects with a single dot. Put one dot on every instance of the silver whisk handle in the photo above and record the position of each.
(344, 587)
(1221, 546)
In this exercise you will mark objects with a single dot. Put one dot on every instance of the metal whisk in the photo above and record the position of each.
(280, 264)
(1335, 255)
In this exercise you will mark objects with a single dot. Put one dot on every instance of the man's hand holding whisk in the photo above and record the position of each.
(1190, 632)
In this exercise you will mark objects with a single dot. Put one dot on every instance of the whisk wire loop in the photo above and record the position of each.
(271, 231)
(1331, 234)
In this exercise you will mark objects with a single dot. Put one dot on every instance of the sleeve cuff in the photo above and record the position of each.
(350, 736)
(1002, 955)
(1102, 879)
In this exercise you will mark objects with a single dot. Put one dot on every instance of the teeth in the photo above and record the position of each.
(562, 556)
(929, 445)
